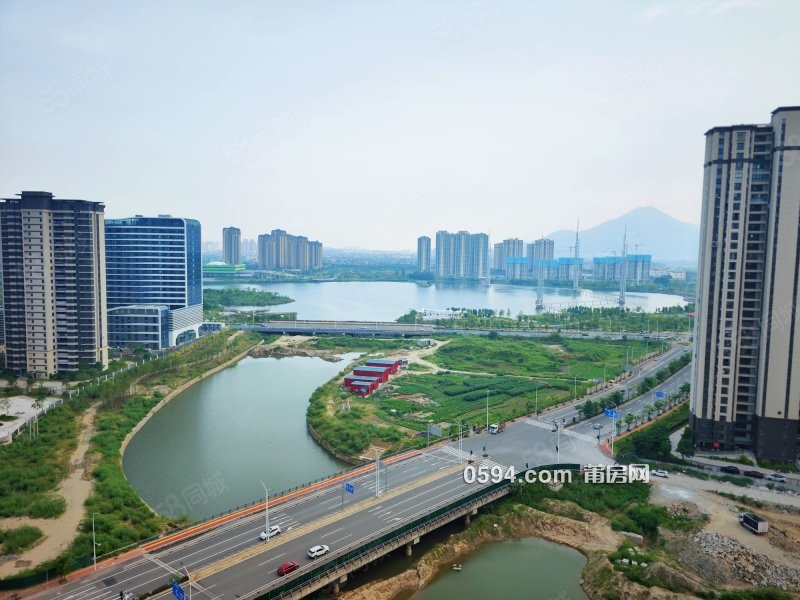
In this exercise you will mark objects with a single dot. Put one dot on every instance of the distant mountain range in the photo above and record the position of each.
(650, 231)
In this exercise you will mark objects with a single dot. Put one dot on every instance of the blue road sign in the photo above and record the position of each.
(177, 591)
(611, 413)
(348, 487)
(660, 394)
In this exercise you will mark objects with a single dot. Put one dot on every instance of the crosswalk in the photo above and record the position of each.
(579, 436)
(463, 456)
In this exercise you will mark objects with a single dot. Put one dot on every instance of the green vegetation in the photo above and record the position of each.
(345, 430)
(215, 299)
(415, 400)
(347, 343)
(652, 442)
(14, 541)
(673, 319)
(553, 356)
(515, 376)
(30, 469)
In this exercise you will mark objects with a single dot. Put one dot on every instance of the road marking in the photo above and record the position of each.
(269, 560)
(331, 532)
(342, 538)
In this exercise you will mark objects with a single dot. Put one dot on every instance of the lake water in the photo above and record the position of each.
(208, 449)
(526, 568)
(386, 301)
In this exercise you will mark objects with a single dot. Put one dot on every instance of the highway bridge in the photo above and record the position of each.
(392, 504)
(354, 328)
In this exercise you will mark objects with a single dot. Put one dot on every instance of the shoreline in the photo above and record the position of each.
(591, 538)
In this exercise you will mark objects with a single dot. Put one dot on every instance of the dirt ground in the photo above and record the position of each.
(782, 544)
(58, 533)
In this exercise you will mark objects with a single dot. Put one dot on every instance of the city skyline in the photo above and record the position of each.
(471, 115)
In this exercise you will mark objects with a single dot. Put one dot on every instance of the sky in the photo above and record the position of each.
(365, 124)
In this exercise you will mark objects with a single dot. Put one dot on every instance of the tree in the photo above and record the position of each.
(685, 445)
(629, 419)
(659, 406)
(648, 411)
(5, 405)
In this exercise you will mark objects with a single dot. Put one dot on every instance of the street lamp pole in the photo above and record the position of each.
(188, 580)
(558, 444)
(94, 544)
(266, 510)
(613, 425)
(487, 410)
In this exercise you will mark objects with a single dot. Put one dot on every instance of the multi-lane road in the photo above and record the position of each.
(231, 562)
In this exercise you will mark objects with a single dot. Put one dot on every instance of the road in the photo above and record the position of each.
(567, 413)
(231, 561)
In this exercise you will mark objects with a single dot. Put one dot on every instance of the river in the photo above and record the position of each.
(386, 301)
(208, 450)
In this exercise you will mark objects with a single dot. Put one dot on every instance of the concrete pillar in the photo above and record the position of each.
(335, 591)
(467, 520)
(408, 549)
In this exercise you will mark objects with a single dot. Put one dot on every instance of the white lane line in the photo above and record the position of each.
(269, 560)
(331, 532)
(342, 538)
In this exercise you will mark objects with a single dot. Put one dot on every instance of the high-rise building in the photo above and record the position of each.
(514, 260)
(278, 250)
(423, 254)
(462, 255)
(746, 369)
(231, 245)
(154, 281)
(635, 267)
(542, 249)
(53, 254)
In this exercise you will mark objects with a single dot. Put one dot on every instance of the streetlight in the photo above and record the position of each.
(266, 510)
(188, 579)
(94, 544)
(487, 410)
(613, 425)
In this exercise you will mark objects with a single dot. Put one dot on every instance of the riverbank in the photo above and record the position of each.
(591, 537)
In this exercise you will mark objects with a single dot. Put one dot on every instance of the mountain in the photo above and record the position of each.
(656, 233)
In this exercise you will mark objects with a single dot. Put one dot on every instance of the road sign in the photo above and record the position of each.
(660, 394)
(177, 591)
(349, 488)
(611, 413)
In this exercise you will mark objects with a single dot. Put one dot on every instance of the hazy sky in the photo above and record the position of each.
(369, 123)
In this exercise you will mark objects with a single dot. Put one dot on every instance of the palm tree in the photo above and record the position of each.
(629, 419)
(648, 410)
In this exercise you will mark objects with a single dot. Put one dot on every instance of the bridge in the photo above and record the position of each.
(393, 503)
(354, 328)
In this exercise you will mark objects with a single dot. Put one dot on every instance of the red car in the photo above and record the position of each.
(288, 567)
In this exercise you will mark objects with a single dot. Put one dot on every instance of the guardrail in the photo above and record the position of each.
(391, 539)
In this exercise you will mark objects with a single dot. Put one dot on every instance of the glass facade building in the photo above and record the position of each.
(153, 262)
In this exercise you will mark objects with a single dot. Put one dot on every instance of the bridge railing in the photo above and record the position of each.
(389, 536)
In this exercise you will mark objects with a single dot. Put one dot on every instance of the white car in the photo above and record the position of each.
(776, 477)
(316, 551)
(597, 426)
(659, 473)
(273, 531)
